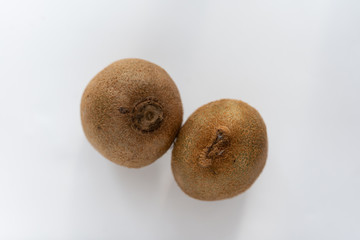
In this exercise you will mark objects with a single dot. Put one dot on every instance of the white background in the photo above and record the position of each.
(297, 62)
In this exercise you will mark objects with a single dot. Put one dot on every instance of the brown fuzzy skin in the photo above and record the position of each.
(220, 150)
(131, 112)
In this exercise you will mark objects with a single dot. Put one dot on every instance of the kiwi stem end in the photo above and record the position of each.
(218, 146)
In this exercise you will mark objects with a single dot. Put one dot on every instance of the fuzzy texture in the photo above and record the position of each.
(131, 112)
(220, 150)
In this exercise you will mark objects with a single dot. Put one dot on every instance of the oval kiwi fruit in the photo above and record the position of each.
(220, 150)
(131, 112)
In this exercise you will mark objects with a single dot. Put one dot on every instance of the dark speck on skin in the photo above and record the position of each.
(123, 110)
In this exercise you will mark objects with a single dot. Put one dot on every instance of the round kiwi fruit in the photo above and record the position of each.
(131, 112)
(220, 150)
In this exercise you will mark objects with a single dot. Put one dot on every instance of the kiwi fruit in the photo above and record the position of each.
(131, 112)
(220, 150)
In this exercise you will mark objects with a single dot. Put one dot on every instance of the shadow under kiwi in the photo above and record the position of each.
(97, 176)
(190, 218)
(139, 184)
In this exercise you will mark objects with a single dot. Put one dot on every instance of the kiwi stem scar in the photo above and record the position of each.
(147, 115)
(217, 147)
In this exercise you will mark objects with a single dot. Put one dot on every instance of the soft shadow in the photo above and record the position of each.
(100, 186)
(138, 185)
(102, 180)
(189, 218)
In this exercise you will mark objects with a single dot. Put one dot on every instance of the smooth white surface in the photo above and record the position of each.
(297, 62)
